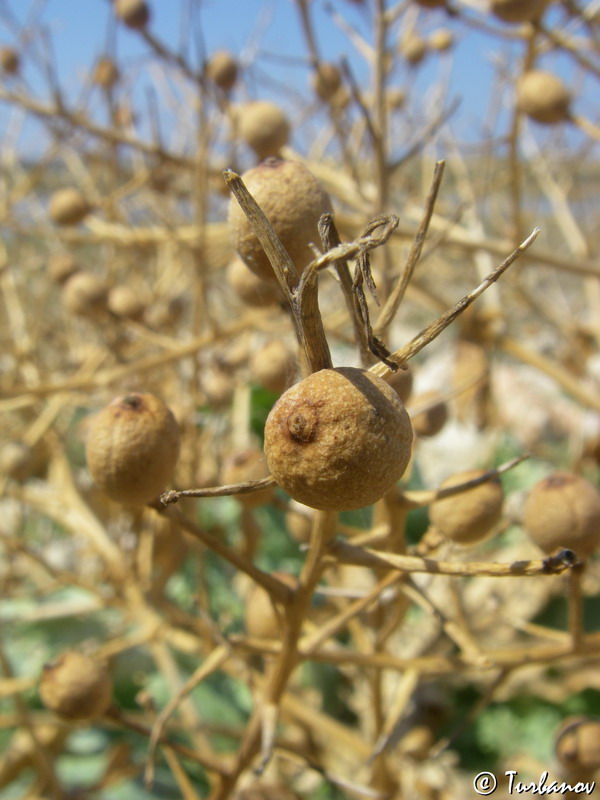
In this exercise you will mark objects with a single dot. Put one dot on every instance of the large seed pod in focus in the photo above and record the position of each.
(293, 200)
(132, 448)
(338, 440)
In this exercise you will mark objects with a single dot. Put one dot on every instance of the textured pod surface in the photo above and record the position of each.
(470, 516)
(338, 440)
(132, 448)
(563, 510)
(293, 200)
(543, 97)
(76, 687)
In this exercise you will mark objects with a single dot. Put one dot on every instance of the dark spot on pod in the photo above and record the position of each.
(302, 424)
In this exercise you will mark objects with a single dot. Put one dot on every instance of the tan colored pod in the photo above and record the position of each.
(222, 69)
(85, 293)
(434, 415)
(263, 126)
(293, 200)
(134, 13)
(61, 266)
(132, 448)
(68, 206)
(413, 48)
(249, 287)
(543, 97)
(472, 515)
(124, 302)
(517, 11)
(76, 687)
(563, 510)
(263, 616)
(274, 366)
(106, 73)
(9, 60)
(441, 39)
(577, 744)
(338, 440)
(248, 465)
(326, 80)
(401, 382)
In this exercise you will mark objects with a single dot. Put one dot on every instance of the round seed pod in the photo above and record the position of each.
(401, 382)
(472, 515)
(338, 440)
(432, 419)
(274, 366)
(106, 73)
(252, 290)
(134, 13)
(517, 11)
(9, 60)
(263, 617)
(563, 510)
(68, 207)
(293, 200)
(441, 39)
(413, 48)
(17, 460)
(132, 448)
(61, 266)
(248, 465)
(263, 126)
(577, 744)
(85, 293)
(326, 80)
(543, 97)
(76, 687)
(222, 70)
(395, 98)
(218, 386)
(124, 302)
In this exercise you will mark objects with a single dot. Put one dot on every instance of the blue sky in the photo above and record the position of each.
(267, 33)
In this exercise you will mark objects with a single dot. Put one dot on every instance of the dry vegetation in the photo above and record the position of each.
(223, 639)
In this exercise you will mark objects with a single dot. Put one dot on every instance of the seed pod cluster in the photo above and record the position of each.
(76, 687)
(338, 440)
(470, 516)
(132, 448)
(293, 200)
(563, 510)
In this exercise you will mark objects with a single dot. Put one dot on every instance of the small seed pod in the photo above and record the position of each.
(577, 744)
(326, 80)
(264, 127)
(85, 293)
(68, 207)
(472, 515)
(263, 617)
(563, 510)
(134, 13)
(17, 460)
(517, 11)
(249, 465)
(61, 266)
(218, 386)
(124, 302)
(9, 60)
(222, 70)
(395, 98)
(76, 687)
(274, 366)
(401, 382)
(434, 416)
(293, 200)
(132, 448)
(413, 48)
(543, 97)
(338, 440)
(165, 313)
(252, 290)
(441, 39)
(106, 73)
